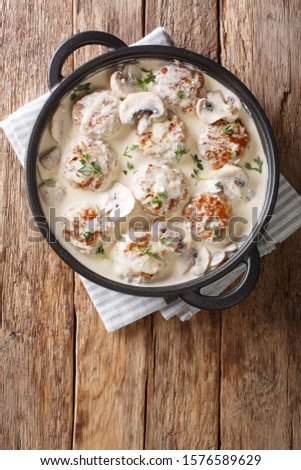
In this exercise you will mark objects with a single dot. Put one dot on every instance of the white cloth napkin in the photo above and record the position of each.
(115, 309)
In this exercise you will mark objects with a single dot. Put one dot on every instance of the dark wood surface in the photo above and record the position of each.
(226, 379)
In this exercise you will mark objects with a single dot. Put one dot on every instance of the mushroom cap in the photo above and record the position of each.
(214, 107)
(124, 81)
(118, 201)
(144, 106)
(51, 159)
(52, 195)
(59, 123)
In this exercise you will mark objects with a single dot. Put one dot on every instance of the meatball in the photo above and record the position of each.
(223, 142)
(97, 113)
(163, 139)
(89, 164)
(85, 228)
(160, 189)
(179, 86)
(209, 215)
(139, 260)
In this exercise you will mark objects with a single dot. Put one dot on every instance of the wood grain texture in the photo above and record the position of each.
(261, 349)
(36, 341)
(183, 376)
(111, 369)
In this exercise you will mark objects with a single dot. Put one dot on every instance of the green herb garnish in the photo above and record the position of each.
(165, 241)
(157, 199)
(182, 94)
(148, 251)
(180, 152)
(125, 172)
(130, 166)
(78, 89)
(101, 251)
(219, 185)
(85, 158)
(259, 164)
(145, 81)
(217, 232)
(196, 176)
(197, 161)
(50, 182)
(93, 168)
(228, 129)
(130, 149)
(88, 235)
(233, 155)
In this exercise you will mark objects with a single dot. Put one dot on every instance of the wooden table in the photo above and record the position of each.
(226, 379)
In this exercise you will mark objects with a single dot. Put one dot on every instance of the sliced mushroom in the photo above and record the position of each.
(230, 248)
(144, 107)
(202, 260)
(124, 81)
(59, 123)
(188, 260)
(118, 201)
(232, 180)
(53, 194)
(176, 241)
(214, 107)
(51, 159)
(217, 258)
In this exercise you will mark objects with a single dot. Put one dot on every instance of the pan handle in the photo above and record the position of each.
(75, 42)
(239, 293)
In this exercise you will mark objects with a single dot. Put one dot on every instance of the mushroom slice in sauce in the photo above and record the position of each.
(202, 260)
(178, 241)
(118, 201)
(217, 258)
(232, 179)
(59, 123)
(214, 107)
(53, 193)
(230, 248)
(51, 159)
(144, 107)
(124, 81)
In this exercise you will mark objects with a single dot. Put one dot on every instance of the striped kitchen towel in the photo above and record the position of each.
(115, 309)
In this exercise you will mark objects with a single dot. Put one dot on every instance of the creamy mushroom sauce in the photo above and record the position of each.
(125, 137)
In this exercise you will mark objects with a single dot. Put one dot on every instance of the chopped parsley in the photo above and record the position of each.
(228, 129)
(217, 232)
(150, 77)
(258, 167)
(78, 89)
(219, 185)
(157, 199)
(148, 251)
(233, 155)
(180, 152)
(85, 158)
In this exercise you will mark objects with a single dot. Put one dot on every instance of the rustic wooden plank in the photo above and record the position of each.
(36, 340)
(261, 350)
(183, 379)
(111, 369)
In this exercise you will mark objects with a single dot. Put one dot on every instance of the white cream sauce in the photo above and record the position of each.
(125, 137)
